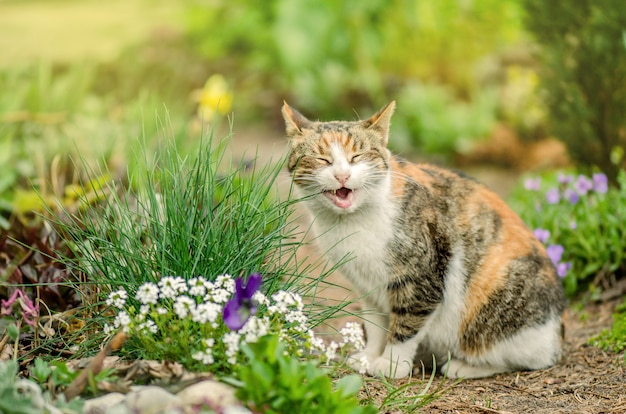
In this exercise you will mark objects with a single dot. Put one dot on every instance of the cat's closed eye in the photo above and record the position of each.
(324, 160)
(355, 158)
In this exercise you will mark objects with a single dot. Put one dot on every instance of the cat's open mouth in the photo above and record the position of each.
(341, 197)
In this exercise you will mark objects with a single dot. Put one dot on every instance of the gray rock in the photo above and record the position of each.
(152, 400)
(212, 394)
(102, 405)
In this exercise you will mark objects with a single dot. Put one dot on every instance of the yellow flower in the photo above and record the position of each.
(214, 98)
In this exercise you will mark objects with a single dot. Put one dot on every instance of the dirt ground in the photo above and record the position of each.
(587, 380)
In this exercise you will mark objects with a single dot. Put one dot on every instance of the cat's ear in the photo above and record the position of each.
(381, 120)
(295, 122)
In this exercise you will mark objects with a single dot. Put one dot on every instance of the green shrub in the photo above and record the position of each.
(582, 219)
(584, 66)
(273, 381)
(432, 122)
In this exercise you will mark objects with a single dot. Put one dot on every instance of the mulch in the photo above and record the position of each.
(587, 379)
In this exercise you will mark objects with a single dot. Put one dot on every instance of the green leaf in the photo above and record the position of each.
(348, 386)
(41, 370)
(13, 331)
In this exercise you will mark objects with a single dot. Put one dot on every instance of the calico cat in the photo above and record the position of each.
(446, 267)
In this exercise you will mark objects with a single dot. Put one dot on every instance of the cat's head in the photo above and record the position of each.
(343, 165)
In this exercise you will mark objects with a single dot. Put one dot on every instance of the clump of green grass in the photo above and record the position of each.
(189, 216)
(614, 339)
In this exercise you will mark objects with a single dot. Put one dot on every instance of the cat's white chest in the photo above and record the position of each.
(361, 239)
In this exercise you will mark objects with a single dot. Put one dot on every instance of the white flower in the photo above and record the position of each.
(317, 344)
(285, 301)
(149, 326)
(197, 286)
(161, 310)
(122, 320)
(219, 295)
(108, 329)
(206, 357)
(331, 350)
(260, 298)
(171, 286)
(353, 334)
(206, 312)
(147, 294)
(144, 309)
(255, 328)
(298, 318)
(117, 298)
(225, 282)
(231, 340)
(183, 306)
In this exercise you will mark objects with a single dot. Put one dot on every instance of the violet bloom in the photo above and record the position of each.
(571, 196)
(532, 184)
(573, 225)
(555, 252)
(565, 179)
(600, 183)
(583, 185)
(562, 269)
(553, 196)
(542, 235)
(239, 309)
(29, 310)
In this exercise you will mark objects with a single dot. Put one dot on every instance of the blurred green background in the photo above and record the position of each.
(477, 82)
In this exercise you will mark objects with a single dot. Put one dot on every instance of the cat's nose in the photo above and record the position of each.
(342, 178)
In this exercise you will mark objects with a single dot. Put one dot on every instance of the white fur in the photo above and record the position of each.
(534, 347)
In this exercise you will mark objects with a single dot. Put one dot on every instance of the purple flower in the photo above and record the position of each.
(242, 305)
(565, 179)
(600, 183)
(553, 196)
(542, 235)
(583, 185)
(555, 252)
(562, 268)
(29, 310)
(573, 225)
(571, 196)
(532, 184)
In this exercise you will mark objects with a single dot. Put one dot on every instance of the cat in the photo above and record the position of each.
(449, 271)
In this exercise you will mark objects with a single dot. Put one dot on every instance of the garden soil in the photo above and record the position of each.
(586, 380)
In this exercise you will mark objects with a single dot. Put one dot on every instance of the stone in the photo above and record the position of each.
(101, 405)
(152, 400)
(209, 393)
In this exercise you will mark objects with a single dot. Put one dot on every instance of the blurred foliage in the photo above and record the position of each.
(332, 58)
(583, 217)
(52, 116)
(584, 75)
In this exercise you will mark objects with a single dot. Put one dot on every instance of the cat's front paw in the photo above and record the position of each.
(387, 367)
(456, 368)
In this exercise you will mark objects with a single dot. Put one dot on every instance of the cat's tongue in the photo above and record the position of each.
(342, 197)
